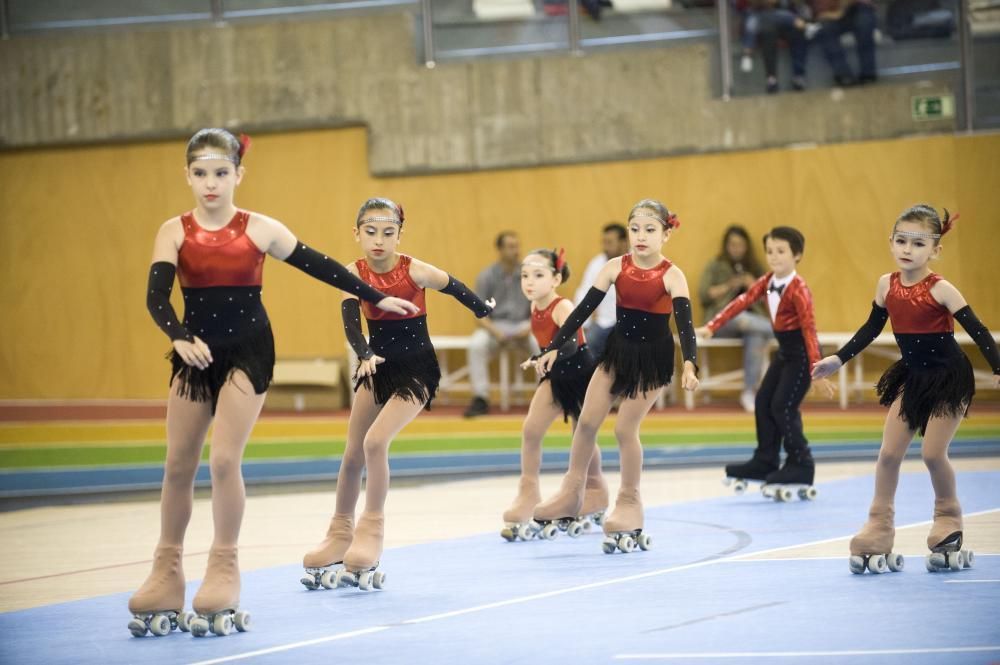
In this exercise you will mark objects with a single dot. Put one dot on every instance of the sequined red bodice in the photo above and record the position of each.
(643, 289)
(226, 257)
(913, 310)
(396, 282)
(544, 328)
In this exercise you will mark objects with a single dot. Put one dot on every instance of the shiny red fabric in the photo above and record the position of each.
(397, 282)
(227, 257)
(913, 310)
(544, 327)
(642, 289)
(795, 311)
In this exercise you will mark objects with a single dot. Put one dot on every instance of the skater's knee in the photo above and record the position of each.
(890, 459)
(224, 465)
(625, 433)
(353, 460)
(533, 435)
(375, 444)
(587, 427)
(180, 471)
(934, 459)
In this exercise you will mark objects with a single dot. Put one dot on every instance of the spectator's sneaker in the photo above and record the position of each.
(772, 85)
(867, 78)
(845, 81)
(478, 407)
(798, 83)
(746, 64)
(593, 8)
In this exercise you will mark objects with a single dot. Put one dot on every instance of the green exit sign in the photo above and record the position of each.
(933, 107)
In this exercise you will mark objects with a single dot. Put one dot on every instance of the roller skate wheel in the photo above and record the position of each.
(785, 494)
(328, 579)
(159, 625)
(969, 557)
(740, 486)
(508, 534)
(574, 529)
(808, 493)
(309, 581)
(877, 564)
(365, 581)
(644, 541)
(184, 621)
(378, 579)
(137, 627)
(895, 561)
(609, 545)
(626, 544)
(344, 578)
(956, 561)
(222, 624)
(586, 525)
(929, 563)
(549, 531)
(242, 621)
(727, 481)
(856, 564)
(524, 532)
(199, 627)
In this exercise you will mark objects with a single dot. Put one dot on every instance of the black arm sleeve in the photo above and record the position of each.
(330, 271)
(161, 283)
(865, 335)
(576, 319)
(685, 330)
(350, 310)
(980, 335)
(467, 297)
(567, 349)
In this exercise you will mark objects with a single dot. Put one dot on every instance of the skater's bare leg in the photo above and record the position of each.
(395, 415)
(947, 511)
(630, 415)
(542, 412)
(363, 414)
(187, 425)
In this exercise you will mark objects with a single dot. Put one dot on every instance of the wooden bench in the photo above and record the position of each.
(300, 384)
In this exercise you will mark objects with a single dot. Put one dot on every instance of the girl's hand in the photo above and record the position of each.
(825, 387)
(704, 332)
(689, 381)
(194, 354)
(491, 303)
(544, 364)
(826, 367)
(367, 367)
(397, 305)
(996, 380)
(529, 363)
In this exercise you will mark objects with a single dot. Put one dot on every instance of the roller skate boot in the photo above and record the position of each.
(945, 539)
(595, 504)
(561, 512)
(321, 563)
(362, 557)
(794, 478)
(157, 607)
(871, 548)
(741, 475)
(623, 528)
(217, 601)
(517, 518)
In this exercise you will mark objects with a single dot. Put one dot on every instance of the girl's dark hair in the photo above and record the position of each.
(928, 216)
(750, 262)
(216, 139)
(796, 241)
(552, 256)
(667, 218)
(381, 203)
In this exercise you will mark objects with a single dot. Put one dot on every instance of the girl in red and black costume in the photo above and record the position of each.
(397, 377)
(637, 362)
(928, 390)
(562, 390)
(784, 386)
(223, 357)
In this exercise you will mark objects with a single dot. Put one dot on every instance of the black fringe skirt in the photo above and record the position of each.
(413, 377)
(639, 354)
(252, 354)
(934, 379)
(569, 379)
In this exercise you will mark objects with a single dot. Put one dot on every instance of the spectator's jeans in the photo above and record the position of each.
(756, 332)
(773, 24)
(750, 26)
(597, 338)
(483, 345)
(859, 19)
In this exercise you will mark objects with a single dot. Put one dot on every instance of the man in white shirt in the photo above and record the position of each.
(614, 242)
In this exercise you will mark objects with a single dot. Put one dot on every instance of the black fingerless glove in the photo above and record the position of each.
(865, 335)
(685, 330)
(980, 335)
(330, 271)
(161, 283)
(467, 297)
(576, 318)
(350, 310)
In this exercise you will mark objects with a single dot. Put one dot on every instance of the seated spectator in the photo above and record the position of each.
(509, 324)
(614, 242)
(773, 20)
(835, 17)
(725, 277)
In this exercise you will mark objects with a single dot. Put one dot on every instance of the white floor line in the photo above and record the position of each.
(972, 581)
(538, 596)
(801, 654)
(919, 555)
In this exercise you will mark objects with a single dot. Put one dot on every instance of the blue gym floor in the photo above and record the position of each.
(694, 597)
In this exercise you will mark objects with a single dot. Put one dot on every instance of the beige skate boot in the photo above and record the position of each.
(157, 605)
(319, 563)
(517, 518)
(560, 512)
(871, 547)
(595, 502)
(217, 601)
(945, 538)
(623, 528)
(362, 557)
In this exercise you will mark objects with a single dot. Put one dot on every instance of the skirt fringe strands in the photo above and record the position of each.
(253, 355)
(638, 366)
(569, 379)
(413, 377)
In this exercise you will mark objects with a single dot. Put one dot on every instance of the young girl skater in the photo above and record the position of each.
(397, 377)
(777, 405)
(929, 390)
(637, 363)
(561, 391)
(223, 356)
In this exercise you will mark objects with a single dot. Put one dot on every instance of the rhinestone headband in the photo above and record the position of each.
(394, 220)
(536, 264)
(915, 234)
(213, 155)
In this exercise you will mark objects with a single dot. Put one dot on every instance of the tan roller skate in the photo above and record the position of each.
(945, 538)
(517, 518)
(623, 528)
(217, 601)
(871, 548)
(362, 557)
(157, 607)
(595, 504)
(322, 562)
(561, 512)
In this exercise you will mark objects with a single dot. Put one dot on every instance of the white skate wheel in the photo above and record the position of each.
(877, 564)
(184, 621)
(378, 580)
(574, 529)
(222, 624)
(626, 544)
(808, 493)
(955, 560)
(549, 531)
(938, 560)
(309, 581)
(137, 627)
(328, 579)
(929, 563)
(365, 580)
(586, 525)
(609, 545)
(727, 481)
(786, 494)
(508, 534)
(242, 621)
(969, 558)
(599, 518)
(344, 578)
(159, 625)
(895, 561)
(199, 627)
(644, 541)
(740, 486)
(524, 532)
(856, 564)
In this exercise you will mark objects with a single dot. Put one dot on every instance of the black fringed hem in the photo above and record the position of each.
(569, 379)
(943, 390)
(414, 377)
(638, 367)
(253, 355)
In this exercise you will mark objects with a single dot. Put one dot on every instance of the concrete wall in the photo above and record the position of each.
(129, 85)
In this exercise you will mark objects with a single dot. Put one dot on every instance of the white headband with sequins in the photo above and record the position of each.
(536, 264)
(214, 155)
(394, 220)
(916, 234)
